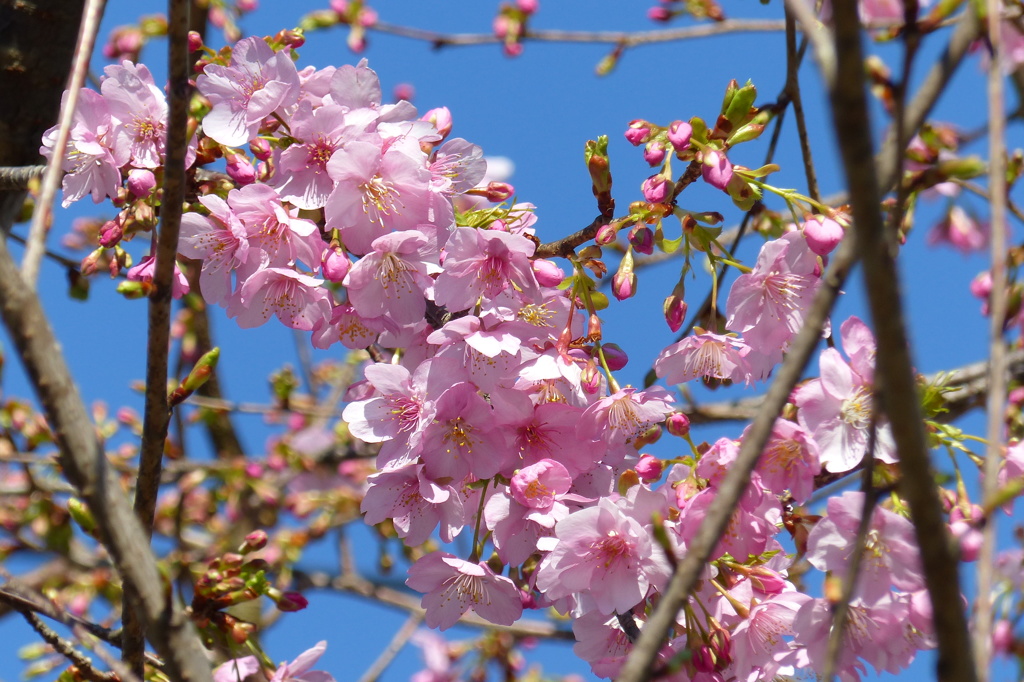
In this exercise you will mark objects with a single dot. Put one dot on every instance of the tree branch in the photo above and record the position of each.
(897, 389)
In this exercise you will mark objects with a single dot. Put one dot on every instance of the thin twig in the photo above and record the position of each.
(818, 36)
(43, 212)
(897, 386)
(794, 58)
(67, 650)
(394, 646)
(625, 38)
(983, 614)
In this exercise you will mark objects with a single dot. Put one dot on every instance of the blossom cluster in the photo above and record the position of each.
(494, 403)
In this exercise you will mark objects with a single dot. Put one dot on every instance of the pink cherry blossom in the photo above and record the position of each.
(890, 556)
(140, 108)
(960, 230)
(297, 300)
(144, 271)
(220, 241)
(706, 356)
(299, 670)
(789, 461)
(301, 176)
(415, 504)
(94, 155)
(464, 437)
(393, 278)
(622, 417)
(236, 670)
(607, 554)
(482, 264)
(347, 326)
(453, 586)
(256, 83)
(767, 305)
(276, 230)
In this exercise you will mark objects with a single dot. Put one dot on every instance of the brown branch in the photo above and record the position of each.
(84, 464)
(83, 665)
(564, 247)
(996, 407)
(897, 389)
(42, 215)
(156, 413)
(689, 569)
(792, 89)
(393, 648)
(624, 38)
(19, 177)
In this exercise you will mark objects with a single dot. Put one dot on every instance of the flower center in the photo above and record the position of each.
(856, 410)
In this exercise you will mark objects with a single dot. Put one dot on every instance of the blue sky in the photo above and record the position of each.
(538, 110)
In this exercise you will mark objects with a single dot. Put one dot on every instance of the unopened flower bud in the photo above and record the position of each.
(678, 424)
(649, 468)
(651, 435)
(716, 169)
(254, 541)
(614, 356)
(528, 6)
(292, 601)
(660, 14)
(641, 238)
(141, 182)
(441, 117)
(111, 234)
(822, 234)
(591, 378)
(638, 132)
(548, 274)
(654, 153)
(624, 280)
(335, 265)
(260, 148)
(1002, 637)
(656, 189)
(679, 133)
(594, 327)
(499, 191)
(240, 169)
(195, 41)
(606, 234)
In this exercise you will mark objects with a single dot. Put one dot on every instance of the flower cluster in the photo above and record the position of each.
(494, 407)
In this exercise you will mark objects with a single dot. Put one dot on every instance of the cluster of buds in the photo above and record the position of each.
(510, 24)
(232, 580)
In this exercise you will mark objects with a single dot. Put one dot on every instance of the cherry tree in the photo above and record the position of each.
(479, 409)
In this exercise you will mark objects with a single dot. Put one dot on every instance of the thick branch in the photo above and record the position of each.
(85, 465)
(897, 389)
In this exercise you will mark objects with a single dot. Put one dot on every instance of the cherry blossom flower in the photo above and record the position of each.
(255, 84)
(961, 231)
(622, 417)
(299, 670)
(139, 106)
(347, 326)
(890, 556)
(301, 176)
(144, 271)
(604, 552)
(704, 355)
(767, 305)
(415, 504)
(297, 300)
(219, 240)
(94, 157)
(393, 278)
(789, 461)
(464, 437)
(276, 230)
(482, 264)
(453, 586)
(236, 670)
(837, 408)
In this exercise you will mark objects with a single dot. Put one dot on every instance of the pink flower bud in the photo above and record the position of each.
(548, 274)
(656, 189)
(528, 6)
(981, 285)
(247, 5)
(679, 133)
(256, 540)
(654, 153)
(648, 468)
(675, 312)
(716, 169)
(240, 169)
(642, 239)
(499, 191)
(195, 41)
(141, 182)
(441, 117)
(659, 14)
(260, 148)
(614, 356)
(606, 234)
(623, 285)
(638, 133)
(678, 424)
(766, 580)
(591, 378)
(404, 92)
(367, 17)
(111, 233)
(1002, 637)
(335, 265)
(822, 234)
(292, 601)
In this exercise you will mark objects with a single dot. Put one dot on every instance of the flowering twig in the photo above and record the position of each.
(43, 213)
(996, 407)
(898, 391)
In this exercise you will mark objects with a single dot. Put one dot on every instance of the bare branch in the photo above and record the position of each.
(394, 646)
(897, 389)
(43, 213)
